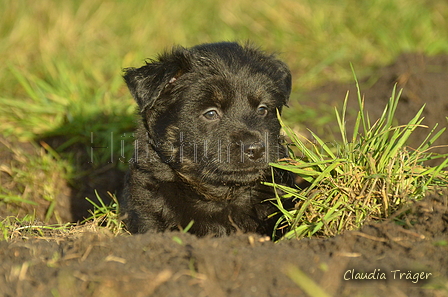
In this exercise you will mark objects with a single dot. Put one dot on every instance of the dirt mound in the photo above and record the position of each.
(397, 261)
(424, 82)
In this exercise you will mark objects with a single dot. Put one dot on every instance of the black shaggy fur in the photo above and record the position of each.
(207, 132)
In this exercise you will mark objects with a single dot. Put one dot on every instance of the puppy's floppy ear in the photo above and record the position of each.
(147, 83)
(284, 80)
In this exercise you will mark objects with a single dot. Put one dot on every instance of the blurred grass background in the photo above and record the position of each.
(61, 61)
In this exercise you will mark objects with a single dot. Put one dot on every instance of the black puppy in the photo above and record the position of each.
(207, 133)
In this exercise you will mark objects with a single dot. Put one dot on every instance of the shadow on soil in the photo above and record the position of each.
(99, 158)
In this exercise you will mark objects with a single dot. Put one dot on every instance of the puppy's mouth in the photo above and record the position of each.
(236, 176)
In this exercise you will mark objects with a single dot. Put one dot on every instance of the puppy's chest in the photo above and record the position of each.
(232, 202)
(245, 212)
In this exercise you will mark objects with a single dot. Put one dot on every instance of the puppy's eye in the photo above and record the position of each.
(211, 114)
(262, 110)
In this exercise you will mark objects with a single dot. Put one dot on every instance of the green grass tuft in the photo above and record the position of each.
(28, 226)
(366, 177)
(106, 216)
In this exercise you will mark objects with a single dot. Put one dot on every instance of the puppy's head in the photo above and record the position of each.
(211, 111)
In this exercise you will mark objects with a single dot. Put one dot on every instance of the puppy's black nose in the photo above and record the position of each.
(254, 151)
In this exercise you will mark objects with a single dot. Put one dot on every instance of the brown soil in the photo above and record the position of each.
(412, 257)
(423, 80)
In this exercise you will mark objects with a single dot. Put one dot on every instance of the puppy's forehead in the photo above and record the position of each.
(237, 88)
(225, 58)
(233, 74)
